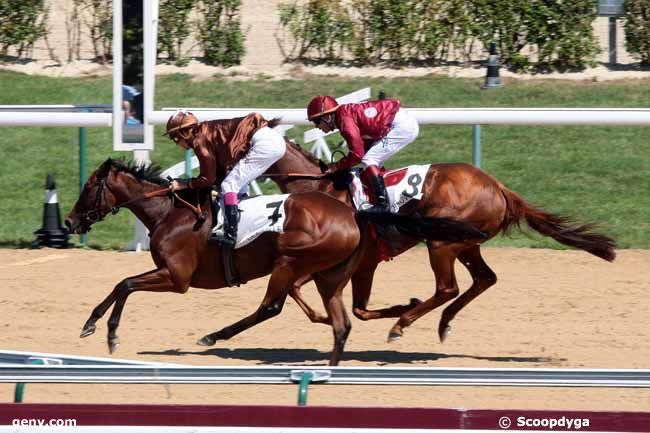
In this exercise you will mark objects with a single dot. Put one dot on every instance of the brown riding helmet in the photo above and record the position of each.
(179, 122)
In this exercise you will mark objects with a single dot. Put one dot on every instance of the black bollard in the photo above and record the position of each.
(382, 94)
(52, 233)
(492, 79)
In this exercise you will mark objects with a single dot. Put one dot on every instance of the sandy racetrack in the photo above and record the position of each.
(549, 309)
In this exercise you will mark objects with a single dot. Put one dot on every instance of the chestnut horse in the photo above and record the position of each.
(459, 191)
(321, 237)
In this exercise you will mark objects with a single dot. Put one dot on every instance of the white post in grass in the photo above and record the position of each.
(141, 237)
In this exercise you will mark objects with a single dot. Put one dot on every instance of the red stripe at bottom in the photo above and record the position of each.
(325, 417)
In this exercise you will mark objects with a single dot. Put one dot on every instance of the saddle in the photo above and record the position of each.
(404, 187)
(257, 215)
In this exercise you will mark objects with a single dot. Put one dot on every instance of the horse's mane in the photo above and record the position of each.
(150, 173)
(308, 155)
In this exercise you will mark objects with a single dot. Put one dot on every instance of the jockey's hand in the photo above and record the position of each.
(322, 165)
(177, 184)
(331, 169)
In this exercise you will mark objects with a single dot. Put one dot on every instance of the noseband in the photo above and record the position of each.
(94, 215)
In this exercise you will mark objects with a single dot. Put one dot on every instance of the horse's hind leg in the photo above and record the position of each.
(312, 314)
(330, 290)
(482, 277)
(276, 293)
(442, 263)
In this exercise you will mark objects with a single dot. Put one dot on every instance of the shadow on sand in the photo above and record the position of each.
(381, 357)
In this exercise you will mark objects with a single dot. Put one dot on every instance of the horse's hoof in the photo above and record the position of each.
(206, 341)
(113, 344)
(87, 330)
(393, 336)
(443, 332)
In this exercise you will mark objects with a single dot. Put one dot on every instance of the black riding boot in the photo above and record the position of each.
(230, 222)
(381, 196)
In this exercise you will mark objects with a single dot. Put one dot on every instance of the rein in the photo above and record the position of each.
(305, 175)
(159, 193)
(92, 216)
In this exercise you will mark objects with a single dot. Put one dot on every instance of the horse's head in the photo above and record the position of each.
(95, 202)
(110, 187)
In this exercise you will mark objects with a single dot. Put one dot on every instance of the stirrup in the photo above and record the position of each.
(223, 239)
(378, 208)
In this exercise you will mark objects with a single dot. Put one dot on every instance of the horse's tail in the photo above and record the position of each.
(429, 228)
(559, 227)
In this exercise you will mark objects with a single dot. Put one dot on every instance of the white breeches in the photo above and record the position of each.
(403, 131)
(267, 146)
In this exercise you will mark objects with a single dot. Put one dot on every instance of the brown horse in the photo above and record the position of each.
(458, 191)
(320, 237)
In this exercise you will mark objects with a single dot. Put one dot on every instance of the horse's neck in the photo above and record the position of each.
(148, 210)
(295, 161)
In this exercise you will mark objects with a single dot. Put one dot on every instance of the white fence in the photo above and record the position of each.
(425, 116)
(148, 374)
(462, 116)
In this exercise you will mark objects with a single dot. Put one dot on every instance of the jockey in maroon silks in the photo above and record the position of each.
(373, 130)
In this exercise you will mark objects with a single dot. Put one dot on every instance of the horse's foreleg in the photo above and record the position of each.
(482, 276)
(276, 293)
(158, 280)
(295, 293)
(442, 264)
(361, 288)
(98, 312)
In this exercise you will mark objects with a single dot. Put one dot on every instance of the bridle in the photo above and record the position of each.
(94, 215)
(97, 214)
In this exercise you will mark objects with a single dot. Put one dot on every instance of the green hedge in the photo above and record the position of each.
(22, 23)
(637, 29)
(217, 29)
(531, 34)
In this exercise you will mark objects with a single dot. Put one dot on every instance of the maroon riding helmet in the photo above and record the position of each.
(320, 106)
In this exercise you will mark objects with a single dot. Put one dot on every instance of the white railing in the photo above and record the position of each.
(22, 358)
(527, 377)
(459, 116)
(424, 116)
(25, 118)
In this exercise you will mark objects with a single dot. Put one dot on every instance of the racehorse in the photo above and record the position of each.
(459, 191)
(320, 237)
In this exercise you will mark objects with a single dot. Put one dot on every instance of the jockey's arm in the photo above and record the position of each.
(350, 132)
(208, 166)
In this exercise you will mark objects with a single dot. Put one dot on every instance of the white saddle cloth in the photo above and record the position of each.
(261, 214)
(402, 185)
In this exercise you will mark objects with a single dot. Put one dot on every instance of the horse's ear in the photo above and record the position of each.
(103, 169)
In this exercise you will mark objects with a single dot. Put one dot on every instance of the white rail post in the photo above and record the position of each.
(141, 237)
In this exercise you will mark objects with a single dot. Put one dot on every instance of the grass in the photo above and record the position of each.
(599, 174)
